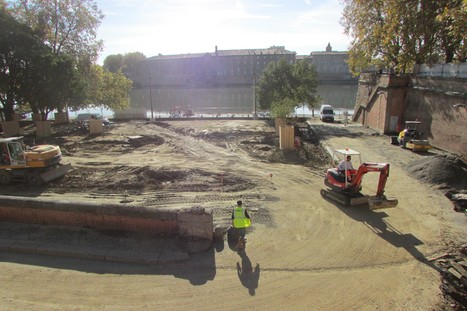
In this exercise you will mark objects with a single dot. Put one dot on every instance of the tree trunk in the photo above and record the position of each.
(8, 110)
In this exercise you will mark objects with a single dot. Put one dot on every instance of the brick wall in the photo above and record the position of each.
(195, 222)
(385, 102)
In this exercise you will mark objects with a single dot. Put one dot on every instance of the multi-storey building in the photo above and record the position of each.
(221, 82)
(336, 87)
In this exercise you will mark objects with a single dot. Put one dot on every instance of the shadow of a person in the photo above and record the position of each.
(247, 276)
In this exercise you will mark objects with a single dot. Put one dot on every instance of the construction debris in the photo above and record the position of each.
(453, 268)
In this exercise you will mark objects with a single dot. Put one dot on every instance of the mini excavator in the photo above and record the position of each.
(35, 165)
(345, 187)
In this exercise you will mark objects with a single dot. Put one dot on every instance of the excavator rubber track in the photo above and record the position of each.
(335, 197)
(373, 202)
(344, 199)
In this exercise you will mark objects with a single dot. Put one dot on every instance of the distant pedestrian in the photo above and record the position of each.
(240, 221)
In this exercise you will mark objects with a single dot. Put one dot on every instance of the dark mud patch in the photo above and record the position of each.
(136, 180)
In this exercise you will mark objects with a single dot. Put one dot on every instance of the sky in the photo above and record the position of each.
(171, 27)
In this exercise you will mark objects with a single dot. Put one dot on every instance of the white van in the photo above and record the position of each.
(326, 113)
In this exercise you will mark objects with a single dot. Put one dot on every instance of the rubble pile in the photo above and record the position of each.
(453, 268)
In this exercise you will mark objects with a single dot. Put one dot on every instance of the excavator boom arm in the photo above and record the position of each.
(382, 168)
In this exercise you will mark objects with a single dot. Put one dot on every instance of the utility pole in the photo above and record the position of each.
(150, 97)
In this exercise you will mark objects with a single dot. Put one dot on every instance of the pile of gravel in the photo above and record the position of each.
(441, 170)
(446, 172)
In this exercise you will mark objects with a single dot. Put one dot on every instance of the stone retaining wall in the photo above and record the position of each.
(194, 222)
(385, 102)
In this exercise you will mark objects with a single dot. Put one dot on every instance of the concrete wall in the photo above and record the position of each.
(195, 222)
(441, 104)
(385, 102)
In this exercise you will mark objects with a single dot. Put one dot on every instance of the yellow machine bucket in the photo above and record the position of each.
(378, 202)
(56, 172)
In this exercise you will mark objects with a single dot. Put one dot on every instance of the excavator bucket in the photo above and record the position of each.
(57, 172)
(379, 202)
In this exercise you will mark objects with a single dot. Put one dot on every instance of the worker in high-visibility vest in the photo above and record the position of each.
(240, 221)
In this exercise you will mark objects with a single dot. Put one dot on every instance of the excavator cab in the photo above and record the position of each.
(37, 164)
(12, 152)
(342, 154)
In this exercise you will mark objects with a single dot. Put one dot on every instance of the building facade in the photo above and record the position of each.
(336, 87)
(223, 82)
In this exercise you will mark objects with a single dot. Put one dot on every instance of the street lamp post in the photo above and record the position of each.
(150, 98)
(255, 113)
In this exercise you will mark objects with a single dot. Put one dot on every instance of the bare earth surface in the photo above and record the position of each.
(303, 252)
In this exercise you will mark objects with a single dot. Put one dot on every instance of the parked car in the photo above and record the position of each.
(326, 113)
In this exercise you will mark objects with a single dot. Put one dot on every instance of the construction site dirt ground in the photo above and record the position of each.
(303, 252)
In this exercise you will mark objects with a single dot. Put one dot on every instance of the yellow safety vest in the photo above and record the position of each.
(240, 220)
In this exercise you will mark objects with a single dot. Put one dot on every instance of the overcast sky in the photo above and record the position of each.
(196, 26)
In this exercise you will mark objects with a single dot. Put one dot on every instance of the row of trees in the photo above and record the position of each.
(48, 51)
(396, 34)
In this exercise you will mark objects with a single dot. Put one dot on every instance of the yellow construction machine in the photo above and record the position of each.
(35, 165)
(410, 138)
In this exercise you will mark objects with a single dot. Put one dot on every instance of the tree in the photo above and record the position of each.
(284, 86)
(50, 78)
(106, 89)
(397, 34)
(127, 63)
(67, 27)
(453, 21)
(113, 63)
(19, 49)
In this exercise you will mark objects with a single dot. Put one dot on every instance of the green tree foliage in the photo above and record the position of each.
(68, 28)
(107, 89)
(127, 63)
(284, 86)
(131, 62)
(50, 79)
(453, 29)
(47, 64)
(113, 63)
(397, 34)
(20, 49)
